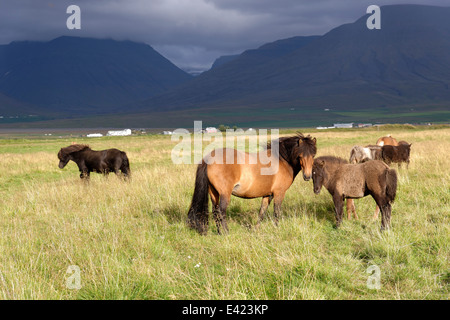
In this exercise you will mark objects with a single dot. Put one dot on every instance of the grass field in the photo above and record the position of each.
(241, 115)
(130, 240)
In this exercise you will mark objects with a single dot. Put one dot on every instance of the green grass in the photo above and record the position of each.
(130, 240)
(301, 114)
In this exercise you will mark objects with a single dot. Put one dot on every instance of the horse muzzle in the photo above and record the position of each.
(306, 178)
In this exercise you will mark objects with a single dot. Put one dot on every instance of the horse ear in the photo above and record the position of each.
(314, 139)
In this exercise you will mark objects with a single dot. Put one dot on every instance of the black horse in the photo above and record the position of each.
(88, 160)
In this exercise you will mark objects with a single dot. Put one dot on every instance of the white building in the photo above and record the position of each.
(94, 135)
(210, 130)
(343, 125)
(125, 132)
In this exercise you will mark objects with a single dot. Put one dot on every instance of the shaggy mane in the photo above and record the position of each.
(70, 149)
(290, 148)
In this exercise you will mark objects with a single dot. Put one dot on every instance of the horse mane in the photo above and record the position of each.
(290, 148)
(71, 149)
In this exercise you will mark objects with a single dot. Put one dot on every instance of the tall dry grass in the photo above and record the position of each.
(130, 240)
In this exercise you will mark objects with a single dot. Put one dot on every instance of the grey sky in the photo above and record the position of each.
(190, 33)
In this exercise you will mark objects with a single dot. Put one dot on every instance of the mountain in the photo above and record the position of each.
(406, 62)
(399, 73)
(70, 75)
(223, 59)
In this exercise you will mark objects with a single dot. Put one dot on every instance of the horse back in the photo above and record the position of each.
(241, 173)
(396, 153)
(354, 180)
(387, 141)
(350, 181)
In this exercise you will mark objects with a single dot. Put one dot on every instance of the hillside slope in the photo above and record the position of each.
(406, 62)
(72, 75)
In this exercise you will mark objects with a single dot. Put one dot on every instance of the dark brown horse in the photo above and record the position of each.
(244, 175)
(88, 160)
(396, 154)
(354, 181)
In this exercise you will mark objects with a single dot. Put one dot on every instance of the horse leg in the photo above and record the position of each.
(278, 199)
(117, 172)
(264, 205)
(84, 175)
(385, 208)
(223, 204)
(351, 209)
(116, 168)
(338, 208)
(354, 210)
(125, 172)
(215, 207)
(377, 211)
(386, 217)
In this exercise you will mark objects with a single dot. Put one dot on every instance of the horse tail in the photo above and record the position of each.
(391, 184)
(353, 156)
(198, 212)
(125, 168)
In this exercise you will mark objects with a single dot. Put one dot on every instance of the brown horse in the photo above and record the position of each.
(88, 160)
(396, 154)
(387, 141)
(243, 175)
(360, 154)
(353, 181)
(387, 153)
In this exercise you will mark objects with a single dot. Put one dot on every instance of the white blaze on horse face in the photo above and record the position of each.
(274, 151)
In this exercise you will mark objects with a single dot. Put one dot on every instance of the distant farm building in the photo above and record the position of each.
(211, 130)
(126, 132)
(94, 135)
(343, 125)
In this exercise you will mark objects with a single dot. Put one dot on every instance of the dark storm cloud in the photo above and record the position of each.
(191, 33)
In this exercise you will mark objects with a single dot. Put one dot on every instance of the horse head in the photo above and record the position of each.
(307, 152)
(63, 159)
(65, 154)
(318, 175)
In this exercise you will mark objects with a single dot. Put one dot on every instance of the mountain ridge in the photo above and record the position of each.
(74, 75)
(404, 62)
(349, 70)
